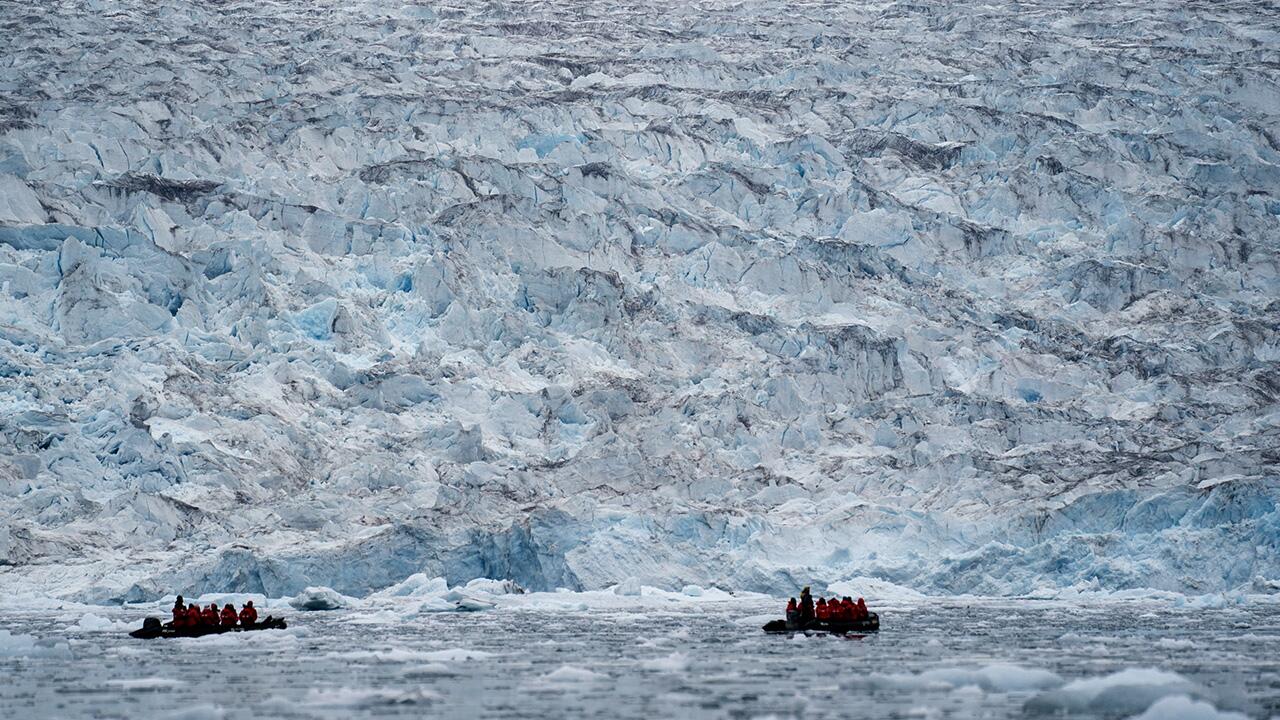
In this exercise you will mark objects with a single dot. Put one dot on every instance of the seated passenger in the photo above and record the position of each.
(209, 616)
(248, 615)
(863, 613)
(848, 610)
(229, 615)
(822, 612)
(194, 617)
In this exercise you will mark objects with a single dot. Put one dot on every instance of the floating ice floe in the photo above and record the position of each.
(90, 622)
(1130, 691)
(1181, 707)
(146, 683)
(321, 598)
(996, 678)
(569, 674)
(17, 645)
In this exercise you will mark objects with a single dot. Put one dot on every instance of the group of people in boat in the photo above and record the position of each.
(194, 616)
(836, 610)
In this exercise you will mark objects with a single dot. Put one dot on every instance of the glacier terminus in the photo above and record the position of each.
(661, 303)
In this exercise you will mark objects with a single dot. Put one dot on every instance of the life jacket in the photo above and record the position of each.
(229, 616)
(248, 616)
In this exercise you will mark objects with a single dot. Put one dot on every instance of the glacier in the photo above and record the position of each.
(968, 298)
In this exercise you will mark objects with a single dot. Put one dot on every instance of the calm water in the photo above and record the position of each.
(707, 661)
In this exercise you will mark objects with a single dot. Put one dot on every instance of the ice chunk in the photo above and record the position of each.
(998, 678)
(364, 698)
(570, 674)
(417, 585)
(1181, 707)
(146, 683)
(12, 645)
(675, 662)
(470, 604)
(454, 655)
(95, 623)
(1129, 691)
(320, 598)
(495, 587)
(199, 712)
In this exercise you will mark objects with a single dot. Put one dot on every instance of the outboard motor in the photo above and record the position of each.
(151, 628)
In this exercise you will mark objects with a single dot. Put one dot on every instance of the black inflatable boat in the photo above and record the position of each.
(152, 628)
(820, 627)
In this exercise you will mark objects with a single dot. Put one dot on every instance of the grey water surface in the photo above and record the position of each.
(707, 661)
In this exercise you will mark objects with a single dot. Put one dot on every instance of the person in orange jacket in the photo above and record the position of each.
(229, 616)
(209, 616)
(179, 613)
(822, 611)
(248, 615)
(194, 617)
(863, 614)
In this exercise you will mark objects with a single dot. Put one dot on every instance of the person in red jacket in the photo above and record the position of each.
(863, 614)
(821, 611)
(229, 616)
(194, 617)
(848, 610)
(248, 615)
(209, 616)
(179, 613)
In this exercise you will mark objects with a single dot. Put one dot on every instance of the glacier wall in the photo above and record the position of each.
(972, 298)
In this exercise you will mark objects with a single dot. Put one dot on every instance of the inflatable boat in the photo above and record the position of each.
(152, 628)
(869, 624)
